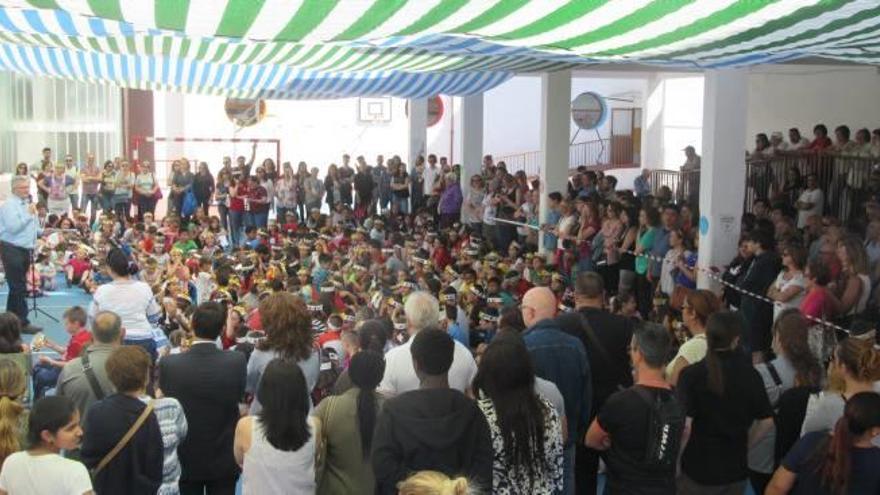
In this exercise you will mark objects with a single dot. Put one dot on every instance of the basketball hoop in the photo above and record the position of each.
(374, 110)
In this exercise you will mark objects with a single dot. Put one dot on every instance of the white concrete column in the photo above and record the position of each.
(418, 129)
(652, 155)
(175, 126)
(471, 132)
(723, 169)
(555, 136)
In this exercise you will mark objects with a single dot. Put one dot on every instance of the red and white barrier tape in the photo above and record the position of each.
(709, 273)
(717, 278)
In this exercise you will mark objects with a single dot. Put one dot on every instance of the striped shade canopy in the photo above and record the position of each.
(410, 48)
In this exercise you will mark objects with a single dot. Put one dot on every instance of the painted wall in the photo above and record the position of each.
(317, 132)
(512, 109)
(781, 97)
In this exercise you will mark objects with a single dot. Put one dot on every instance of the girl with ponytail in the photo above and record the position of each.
(840, 462)
(854, 368)
(12, 388)
(727, 410)
(347, 424)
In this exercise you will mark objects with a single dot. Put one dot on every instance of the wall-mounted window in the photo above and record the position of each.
(71, 117)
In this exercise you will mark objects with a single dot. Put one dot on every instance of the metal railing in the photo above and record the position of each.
(530, 162)
(596, 153)
(590, 153)
(847, 181)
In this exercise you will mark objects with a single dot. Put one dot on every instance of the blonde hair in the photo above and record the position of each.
(434, 483)
(12, 388)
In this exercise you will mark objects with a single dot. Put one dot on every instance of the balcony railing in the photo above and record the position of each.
(847, 181)
(598, 153)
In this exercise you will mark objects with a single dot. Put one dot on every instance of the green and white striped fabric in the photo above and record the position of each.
(421, 44)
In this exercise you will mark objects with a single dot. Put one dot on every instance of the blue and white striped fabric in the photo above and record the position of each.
(238, 80)
(410, 48)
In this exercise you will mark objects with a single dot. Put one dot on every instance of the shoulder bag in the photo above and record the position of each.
(94, 384)
(321, 439)
(124, 440)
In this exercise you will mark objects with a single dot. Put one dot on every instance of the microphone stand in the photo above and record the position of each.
(34, 308)
(32, 271)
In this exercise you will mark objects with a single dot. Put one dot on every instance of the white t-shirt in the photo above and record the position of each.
(400, 374)
(473, 207)
(132, 301)
(527, 210)
(489, 210)
(430, 175)
(816, 198)
(781, 284)
(24, 473)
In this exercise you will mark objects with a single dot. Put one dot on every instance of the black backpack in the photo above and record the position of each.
(330, 371)
(665, 427)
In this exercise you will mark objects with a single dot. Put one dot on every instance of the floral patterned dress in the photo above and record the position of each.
(508, 480)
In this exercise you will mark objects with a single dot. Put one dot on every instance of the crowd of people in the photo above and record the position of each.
(864, 143)
(384, 330)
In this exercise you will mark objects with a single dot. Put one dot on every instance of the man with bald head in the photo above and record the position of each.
(561, 359)
(84, 379)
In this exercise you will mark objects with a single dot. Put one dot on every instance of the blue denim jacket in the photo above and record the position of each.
(561, 359)
(550, 239)
(658, 251)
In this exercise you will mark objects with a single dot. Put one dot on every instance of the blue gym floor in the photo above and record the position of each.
(54, 303)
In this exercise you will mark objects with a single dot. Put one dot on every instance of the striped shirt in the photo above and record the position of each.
(173, 426)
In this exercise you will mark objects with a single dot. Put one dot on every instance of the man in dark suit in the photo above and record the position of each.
(758, 278)
(209, 383)
(606, 338)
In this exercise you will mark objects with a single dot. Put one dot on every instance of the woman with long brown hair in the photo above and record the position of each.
(286, 193)
(854, 367)
(698, 306)
(13, 419)
(794, 373)
(589, 225)
(852, 296)
(288, 326)
(841, 461)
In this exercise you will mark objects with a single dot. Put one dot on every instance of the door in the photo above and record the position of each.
(626, 136)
